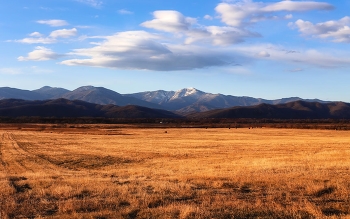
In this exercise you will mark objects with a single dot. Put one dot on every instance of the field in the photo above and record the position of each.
(106, 171)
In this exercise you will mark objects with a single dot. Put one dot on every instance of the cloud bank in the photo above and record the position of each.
(141, 50)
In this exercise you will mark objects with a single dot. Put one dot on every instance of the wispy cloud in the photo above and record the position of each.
(338, 31)
(54, 23)
(24, 70)
(93, 3)
(35, 34)
(263, 54)
(84, 26)
(307, 57)
(124, 11)
(11, 71)
(296, 70)
(64, 33)
(38, 38)
(208, 17)
(40, 54)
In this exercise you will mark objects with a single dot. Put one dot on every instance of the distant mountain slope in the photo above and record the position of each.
(101, 95)
(190, 100)
(51, 92)
(157, 97)
(76, 108)
(292, 110)
(7, 93)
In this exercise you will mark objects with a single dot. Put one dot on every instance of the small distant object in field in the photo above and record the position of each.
(166, 132)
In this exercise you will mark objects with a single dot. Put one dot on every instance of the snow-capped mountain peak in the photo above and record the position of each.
(85, 88)
(187, 92)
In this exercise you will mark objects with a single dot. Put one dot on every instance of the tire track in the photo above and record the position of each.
(17, 160)
(2, 162)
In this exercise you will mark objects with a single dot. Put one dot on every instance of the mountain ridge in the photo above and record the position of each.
(184, 101)
(63, 108)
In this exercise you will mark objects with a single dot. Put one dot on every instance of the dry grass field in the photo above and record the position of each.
(97, 171)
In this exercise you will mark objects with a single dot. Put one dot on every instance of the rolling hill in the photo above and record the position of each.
(76, 108)
(292, 110)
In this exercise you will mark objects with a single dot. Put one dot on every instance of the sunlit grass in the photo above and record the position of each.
(106, 172)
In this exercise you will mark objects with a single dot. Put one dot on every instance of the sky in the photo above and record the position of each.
(265, 49)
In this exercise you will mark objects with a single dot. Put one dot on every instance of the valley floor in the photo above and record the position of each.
(97, 171)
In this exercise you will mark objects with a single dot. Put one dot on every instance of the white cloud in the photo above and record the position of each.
(64, 33)
(54, 23)
(144, 51)
(229, 35)
(338, 31)
(288, 16)
(124, 11)
(263, 54)
(93, 3)
(35, 34)
(40, 54)
(208, 17)
(38, 38)
(169, 21)
(236, 15)
(191, 31)
(244, 12)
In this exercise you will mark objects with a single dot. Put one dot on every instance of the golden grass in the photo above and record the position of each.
(125, 172)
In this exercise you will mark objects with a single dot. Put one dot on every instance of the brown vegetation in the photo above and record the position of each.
(110, 171)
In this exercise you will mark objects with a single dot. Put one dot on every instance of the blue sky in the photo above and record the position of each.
(269, 49)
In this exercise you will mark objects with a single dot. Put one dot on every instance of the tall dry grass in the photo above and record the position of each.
(108, 172)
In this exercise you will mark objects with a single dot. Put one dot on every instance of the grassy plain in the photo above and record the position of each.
(105, 171)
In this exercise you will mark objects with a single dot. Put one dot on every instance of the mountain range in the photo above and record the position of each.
(185, 101)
